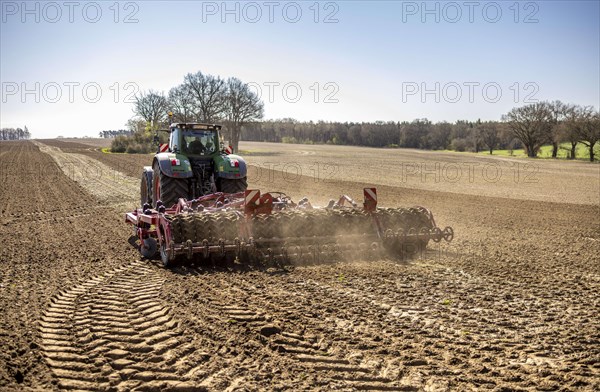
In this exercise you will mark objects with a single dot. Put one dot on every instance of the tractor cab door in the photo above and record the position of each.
(174, 140)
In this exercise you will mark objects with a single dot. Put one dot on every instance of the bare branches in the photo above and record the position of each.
(208, 93)
(531, 124)
(554, 122)
(208, 98)
(586, 124)
(489, 132)
(14, 134)
(181, 103)
(241, 107)
(151, 107)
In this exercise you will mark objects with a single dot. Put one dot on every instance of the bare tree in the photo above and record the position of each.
(475, 137)
(14, 134)
(489, 134)
(242, 106)
(531, 124)
(208, 93)
(181, 103)
(568, 129)
(587, 127)
(558, 113)
(152, 108)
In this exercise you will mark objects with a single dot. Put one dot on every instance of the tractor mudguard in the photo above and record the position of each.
(230, 166)
(174, 165)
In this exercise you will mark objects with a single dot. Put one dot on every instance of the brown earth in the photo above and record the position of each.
(511, 304)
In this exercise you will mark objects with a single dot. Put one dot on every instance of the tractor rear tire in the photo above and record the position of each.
(233, 185)
(167, 189)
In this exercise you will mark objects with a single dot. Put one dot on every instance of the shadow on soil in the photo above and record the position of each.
(200, 266)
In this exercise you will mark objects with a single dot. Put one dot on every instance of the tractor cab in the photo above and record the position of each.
(194, 163)
(198, 142)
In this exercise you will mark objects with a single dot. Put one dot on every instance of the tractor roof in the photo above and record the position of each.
(214, 127)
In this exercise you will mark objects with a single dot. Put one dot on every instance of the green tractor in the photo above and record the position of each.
(194, 163)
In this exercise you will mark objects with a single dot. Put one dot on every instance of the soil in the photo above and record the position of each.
(511, 304)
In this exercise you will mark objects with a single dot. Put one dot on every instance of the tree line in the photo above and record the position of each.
(530, 126)
(207, 98)
(14, 133)
(110, 134)
(553, 123)
(201, 98)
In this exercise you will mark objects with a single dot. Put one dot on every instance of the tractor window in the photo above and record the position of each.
(199, 142)
(173, 141)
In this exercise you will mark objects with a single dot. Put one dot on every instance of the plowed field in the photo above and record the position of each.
(513, 303)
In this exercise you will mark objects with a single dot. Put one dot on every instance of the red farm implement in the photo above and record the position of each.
(255, 228)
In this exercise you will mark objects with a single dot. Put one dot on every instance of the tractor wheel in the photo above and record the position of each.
(234, 185)
(167, 189)
(145, 196)
(149, 248)
(164, 252)
(164, 256)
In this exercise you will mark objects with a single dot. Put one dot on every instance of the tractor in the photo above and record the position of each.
(194, 163)
(194, 204)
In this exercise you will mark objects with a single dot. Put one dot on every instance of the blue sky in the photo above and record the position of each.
(342, 61)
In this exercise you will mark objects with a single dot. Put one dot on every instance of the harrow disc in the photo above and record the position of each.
(313, 234)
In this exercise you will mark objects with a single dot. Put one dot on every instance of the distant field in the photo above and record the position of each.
(545, 152)
(474, 174)
(468, 173)
(94, 142)
(582, 152)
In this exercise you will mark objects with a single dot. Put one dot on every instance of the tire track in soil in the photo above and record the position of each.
(314, 343)
(432, 338)
(112, 332)
(382, 345)
(377, 329)
(108, 185)
(239, 301)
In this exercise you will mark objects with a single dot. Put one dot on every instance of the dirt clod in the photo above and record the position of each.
(269, 330)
